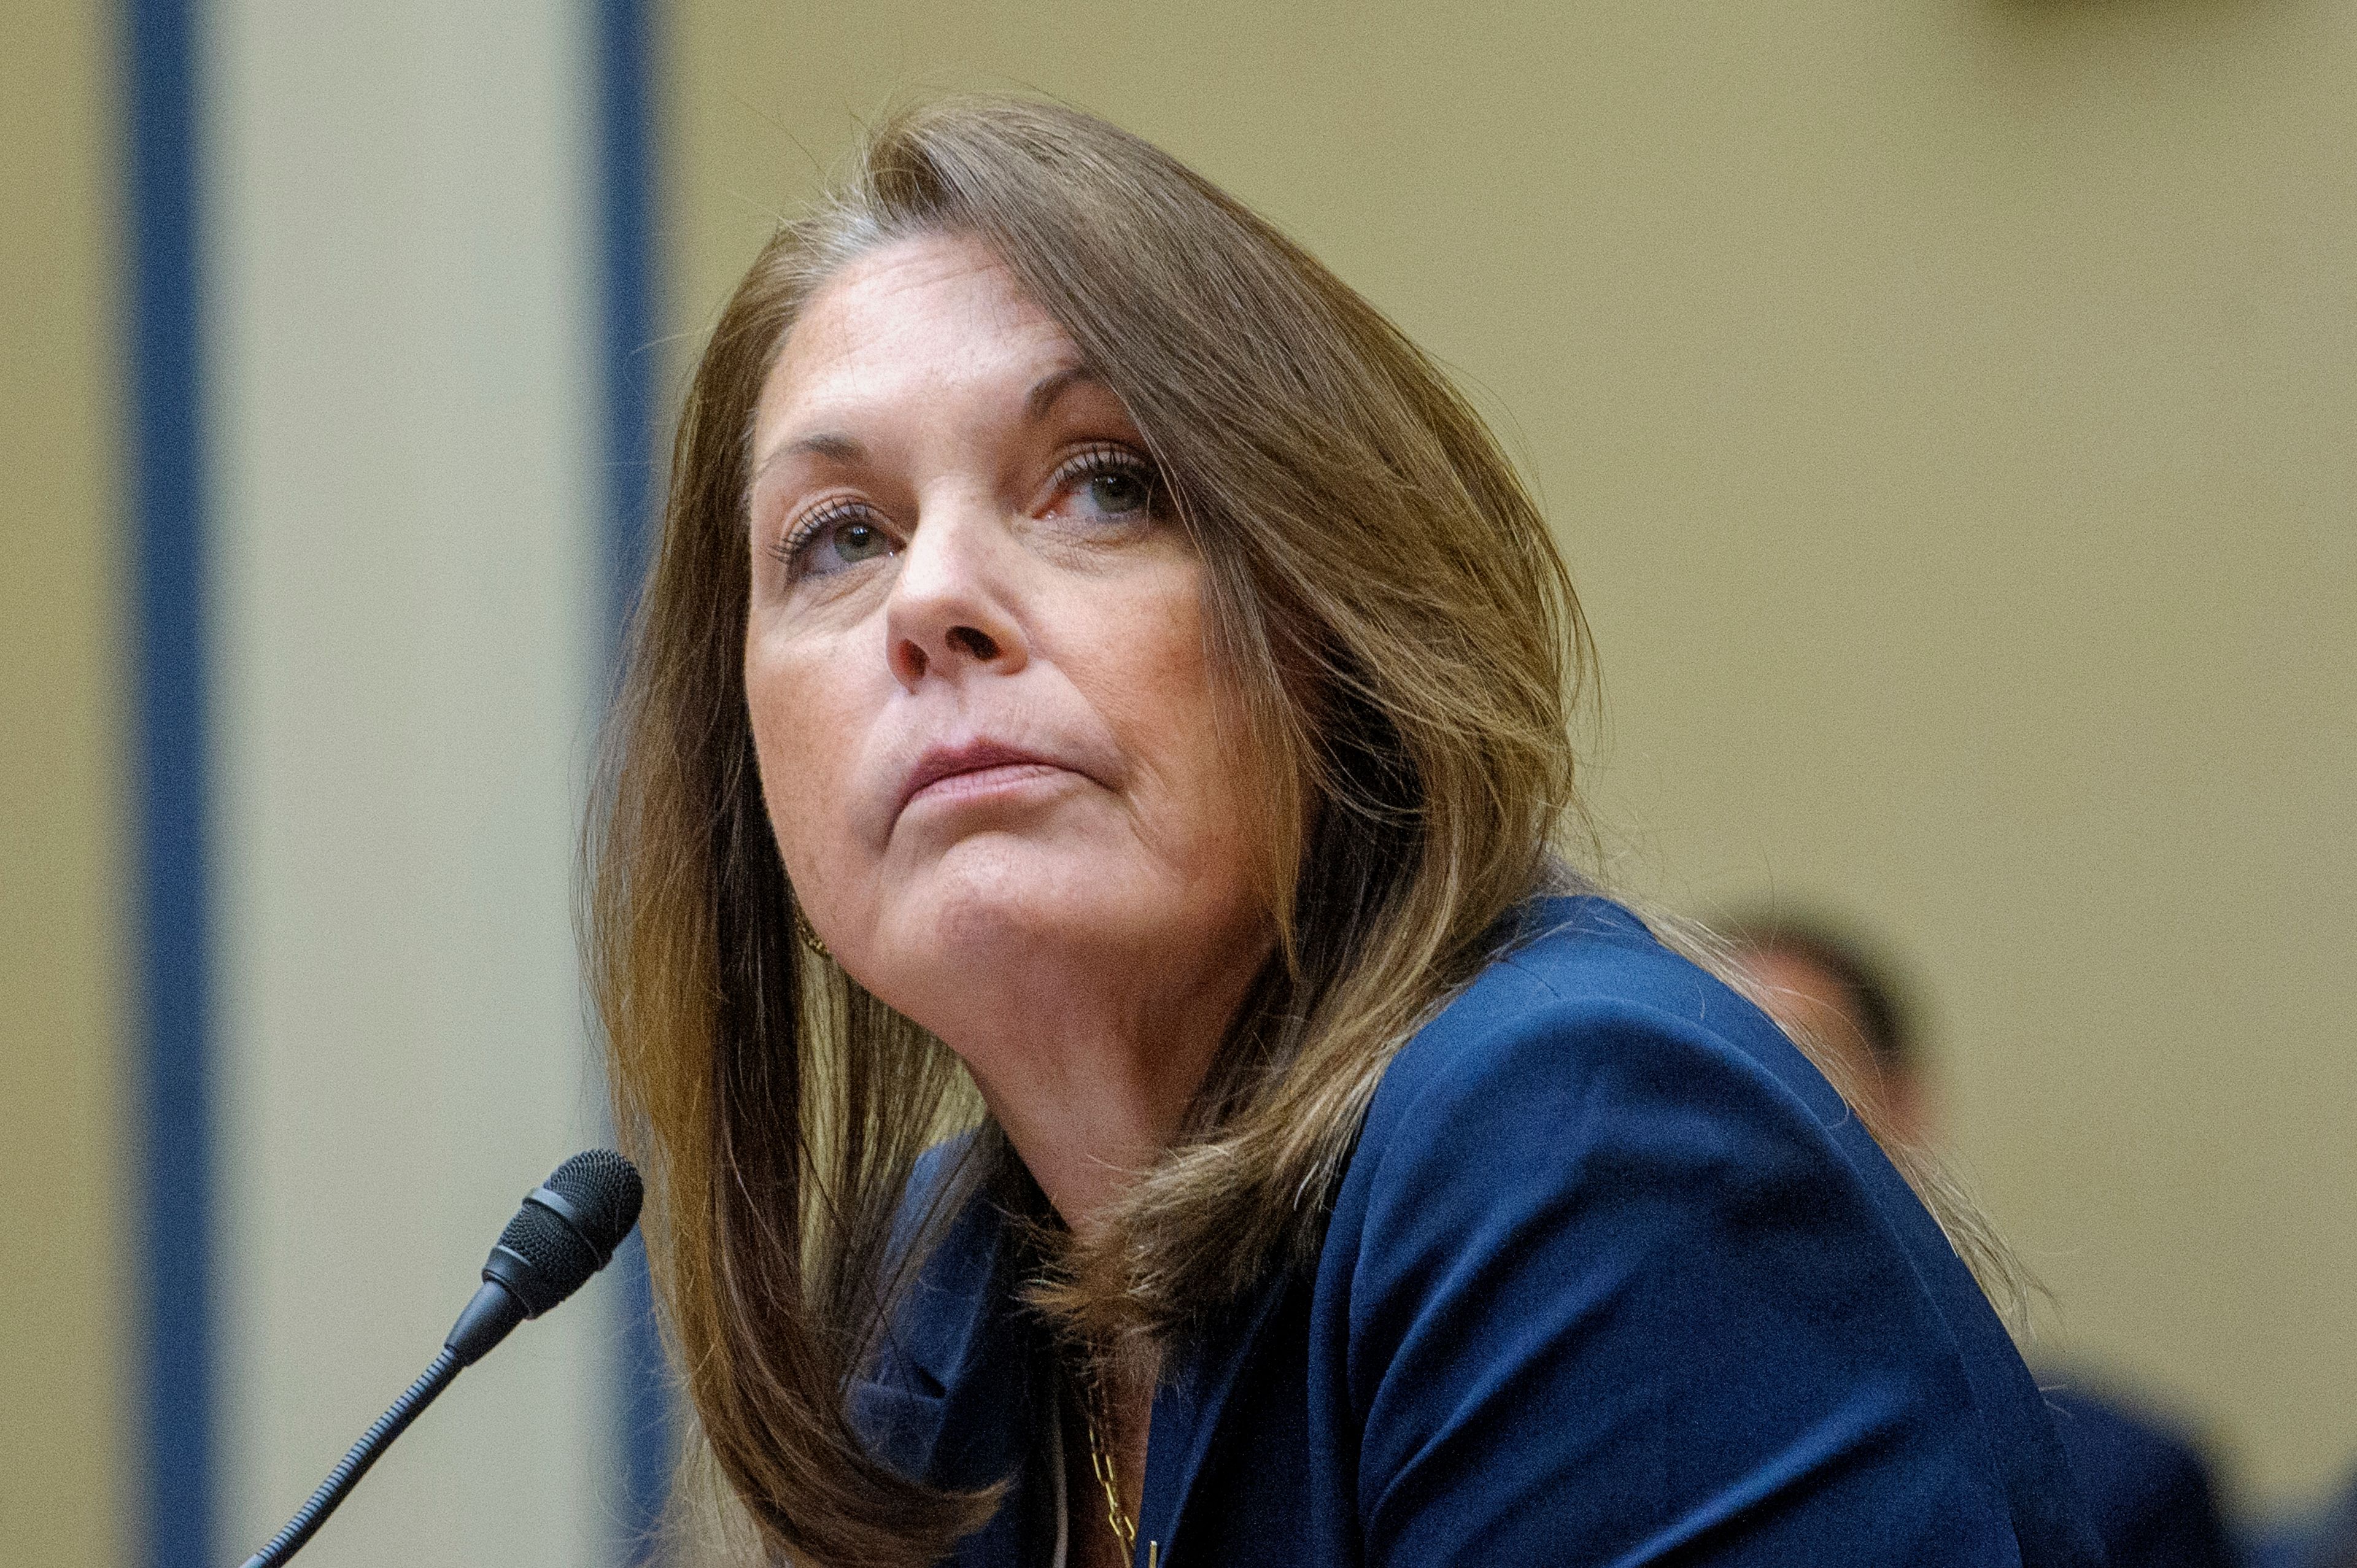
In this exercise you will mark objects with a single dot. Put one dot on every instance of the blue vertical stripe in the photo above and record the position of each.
(625, 49)
(173, 917)
(632, 354)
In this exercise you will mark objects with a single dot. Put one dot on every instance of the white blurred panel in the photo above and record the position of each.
(403, 303)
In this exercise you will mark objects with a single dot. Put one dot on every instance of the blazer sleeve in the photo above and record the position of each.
(1616, 1294)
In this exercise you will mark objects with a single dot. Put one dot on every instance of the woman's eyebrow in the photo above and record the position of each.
(824, 444)
(1037, 404)
(1044, 392)
(820, 443)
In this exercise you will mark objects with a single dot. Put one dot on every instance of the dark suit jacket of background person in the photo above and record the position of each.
(2147, 1488)
(1613, 1277)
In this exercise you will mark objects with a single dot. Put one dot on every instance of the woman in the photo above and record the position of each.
(1078, 919)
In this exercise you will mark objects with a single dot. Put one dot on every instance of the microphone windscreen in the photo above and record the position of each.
(557, 1261)
(566, 1229)
(604, 1191)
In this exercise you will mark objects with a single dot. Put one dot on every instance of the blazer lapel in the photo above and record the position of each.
(1186, 1410)
(954, 1397)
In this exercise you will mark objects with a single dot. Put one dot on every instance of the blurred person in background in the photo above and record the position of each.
(2149, 1489)
(2317, 1538)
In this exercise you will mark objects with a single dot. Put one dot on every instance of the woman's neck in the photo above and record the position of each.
(1092, 1068)
(1088, 1111)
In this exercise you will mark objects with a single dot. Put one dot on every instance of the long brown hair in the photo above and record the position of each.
(1403, 652)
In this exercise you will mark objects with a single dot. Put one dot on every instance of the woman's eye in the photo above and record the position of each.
(1119, 492)
(838, 537)
(856, 541)
(1111, 483)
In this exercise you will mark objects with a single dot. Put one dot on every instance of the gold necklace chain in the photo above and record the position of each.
(1125, 1529)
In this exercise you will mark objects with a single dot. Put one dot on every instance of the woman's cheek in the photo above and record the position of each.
(800, 749)
(1205, 792)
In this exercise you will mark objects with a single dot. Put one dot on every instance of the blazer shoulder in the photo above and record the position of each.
(1601, 1189)
(1607, 1236)
(1586, 996)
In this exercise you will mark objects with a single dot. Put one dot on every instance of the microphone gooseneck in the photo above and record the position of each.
(354, 1464)
(565, 1231)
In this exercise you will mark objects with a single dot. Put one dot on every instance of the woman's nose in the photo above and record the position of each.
(949, 614)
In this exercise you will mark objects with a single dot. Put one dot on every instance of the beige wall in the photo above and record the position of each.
(61, 813)
(406, 534)
(1948, 411)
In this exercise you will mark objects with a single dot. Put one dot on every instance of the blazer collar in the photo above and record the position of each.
(956, 1397)
(1196, 1384)
(949, 1391)
(958, 1400)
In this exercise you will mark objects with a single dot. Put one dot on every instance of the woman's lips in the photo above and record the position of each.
(979, 767)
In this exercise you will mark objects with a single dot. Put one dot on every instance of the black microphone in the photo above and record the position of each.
(565, 1231)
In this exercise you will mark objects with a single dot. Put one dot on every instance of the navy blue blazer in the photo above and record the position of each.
(1614, 1277)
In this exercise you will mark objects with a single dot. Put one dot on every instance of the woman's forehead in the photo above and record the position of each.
(913, 312)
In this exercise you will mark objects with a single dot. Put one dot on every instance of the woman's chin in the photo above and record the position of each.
(990, 891)
(968, 971)
(967, 926)
(964, 935)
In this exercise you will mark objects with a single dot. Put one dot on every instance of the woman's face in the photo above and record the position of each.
(976, 661)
